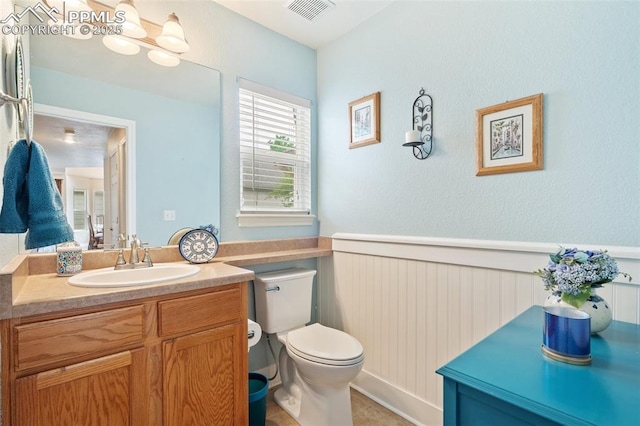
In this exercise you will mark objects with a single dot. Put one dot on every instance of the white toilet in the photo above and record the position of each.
(316, 363)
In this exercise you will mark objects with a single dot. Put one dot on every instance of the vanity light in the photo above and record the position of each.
(132, 26)
(420, 137)
(120, 45)
(163, 58)
(172, 37)
(69, 136)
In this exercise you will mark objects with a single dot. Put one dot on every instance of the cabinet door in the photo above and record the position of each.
(206, 379)
(104, 391)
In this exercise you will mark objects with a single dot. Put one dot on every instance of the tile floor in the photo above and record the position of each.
(365, 412)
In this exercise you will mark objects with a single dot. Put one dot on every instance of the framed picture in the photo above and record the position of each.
(509, 136)
(364, 119)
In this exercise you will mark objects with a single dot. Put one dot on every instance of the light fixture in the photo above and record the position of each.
(69, 136)
(120, 45)
(131, 26)
(163, 58)
(172, 37)
(420, 137)
(165, 43)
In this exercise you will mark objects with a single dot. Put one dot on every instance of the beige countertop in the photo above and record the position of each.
(30, 286)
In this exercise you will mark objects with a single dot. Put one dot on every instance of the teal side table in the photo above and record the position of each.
(505, 379)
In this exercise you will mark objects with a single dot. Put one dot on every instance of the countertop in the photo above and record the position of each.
(30, 286)
(510, 366)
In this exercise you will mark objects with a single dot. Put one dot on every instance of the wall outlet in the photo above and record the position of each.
(169, 215)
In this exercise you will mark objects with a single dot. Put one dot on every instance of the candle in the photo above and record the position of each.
(412, 136)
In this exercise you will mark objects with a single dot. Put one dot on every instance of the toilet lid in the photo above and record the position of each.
(325, 345)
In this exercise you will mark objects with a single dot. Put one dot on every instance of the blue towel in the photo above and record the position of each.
(45, 219)
(15, 203)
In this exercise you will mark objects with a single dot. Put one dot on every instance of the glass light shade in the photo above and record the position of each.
(172, 37)
(120, 45)
(76, 31)
(163, 58)
(131, 27)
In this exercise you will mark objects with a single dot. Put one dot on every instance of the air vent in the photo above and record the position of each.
(309, 9)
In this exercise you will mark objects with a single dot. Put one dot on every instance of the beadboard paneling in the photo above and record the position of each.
(415, 304)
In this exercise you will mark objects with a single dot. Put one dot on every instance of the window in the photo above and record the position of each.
(98, 203)
(275, 154)
(79, 209)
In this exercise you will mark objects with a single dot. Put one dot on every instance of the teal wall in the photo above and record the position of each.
(177, 163)
(584, 57)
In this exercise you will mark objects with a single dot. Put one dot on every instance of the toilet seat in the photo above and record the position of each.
(325, 345)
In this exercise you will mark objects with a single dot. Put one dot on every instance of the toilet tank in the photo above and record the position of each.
(283, 299)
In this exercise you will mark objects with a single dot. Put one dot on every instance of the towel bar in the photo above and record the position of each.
(21, 103)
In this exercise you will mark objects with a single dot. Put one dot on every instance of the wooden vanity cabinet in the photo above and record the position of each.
(176, 360)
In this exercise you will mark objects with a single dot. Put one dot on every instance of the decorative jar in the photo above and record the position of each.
(595, 306)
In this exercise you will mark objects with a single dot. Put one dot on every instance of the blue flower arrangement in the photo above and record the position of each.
(575, 272)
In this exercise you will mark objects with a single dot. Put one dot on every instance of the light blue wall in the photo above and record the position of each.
(584, 57)
(176, 162)
(240, 48)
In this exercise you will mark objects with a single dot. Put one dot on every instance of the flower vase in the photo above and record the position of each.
(595, 306)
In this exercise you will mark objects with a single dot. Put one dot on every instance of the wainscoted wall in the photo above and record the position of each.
(416, 303)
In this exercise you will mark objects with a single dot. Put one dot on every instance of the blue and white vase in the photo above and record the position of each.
(595, 306)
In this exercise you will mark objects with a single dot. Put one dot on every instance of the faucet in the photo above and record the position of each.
(135, 245)
(134, 260)
(122, 241)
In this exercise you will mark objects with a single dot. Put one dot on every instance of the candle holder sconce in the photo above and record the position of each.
(420, 138)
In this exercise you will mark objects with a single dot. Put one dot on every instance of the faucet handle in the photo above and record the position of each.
(120, 261)
(146, 259)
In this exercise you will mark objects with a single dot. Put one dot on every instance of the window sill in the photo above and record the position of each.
(256, 220)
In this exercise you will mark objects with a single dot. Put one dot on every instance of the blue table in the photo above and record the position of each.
(506, 380)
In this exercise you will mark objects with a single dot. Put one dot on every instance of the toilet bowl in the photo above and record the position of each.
(316, 363)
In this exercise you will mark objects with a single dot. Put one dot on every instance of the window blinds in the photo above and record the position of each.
(275, 151)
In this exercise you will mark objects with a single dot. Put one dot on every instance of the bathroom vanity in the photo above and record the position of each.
(172, 353)
(506, 380)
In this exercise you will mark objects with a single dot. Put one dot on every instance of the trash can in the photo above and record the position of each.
(258, 389)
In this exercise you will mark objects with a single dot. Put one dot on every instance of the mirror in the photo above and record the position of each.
(171, 118)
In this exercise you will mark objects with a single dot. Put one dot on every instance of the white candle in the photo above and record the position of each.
(412, 136)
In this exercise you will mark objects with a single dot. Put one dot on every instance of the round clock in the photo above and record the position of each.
(198, 246)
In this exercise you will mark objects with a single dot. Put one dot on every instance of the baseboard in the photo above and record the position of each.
(402, 403)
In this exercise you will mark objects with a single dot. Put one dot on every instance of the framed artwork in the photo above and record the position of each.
(509, 136)
(364, 119)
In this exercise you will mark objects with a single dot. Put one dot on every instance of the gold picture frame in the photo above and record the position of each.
(364, 121)
(509, 136)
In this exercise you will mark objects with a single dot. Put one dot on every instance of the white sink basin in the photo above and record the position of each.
(109, 277)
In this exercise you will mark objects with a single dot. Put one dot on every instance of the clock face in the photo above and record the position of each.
(198, 246)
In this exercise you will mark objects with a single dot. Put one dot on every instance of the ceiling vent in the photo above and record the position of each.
(309, 9)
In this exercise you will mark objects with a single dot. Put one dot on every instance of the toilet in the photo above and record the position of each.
(316, 363)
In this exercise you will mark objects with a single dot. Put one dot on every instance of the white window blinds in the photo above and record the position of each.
(275, 151)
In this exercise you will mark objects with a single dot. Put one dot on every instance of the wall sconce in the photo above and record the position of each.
(420, 137)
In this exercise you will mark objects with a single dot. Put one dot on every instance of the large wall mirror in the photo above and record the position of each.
(147, 137)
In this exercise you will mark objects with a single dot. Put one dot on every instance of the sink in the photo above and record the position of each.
(109, 277)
